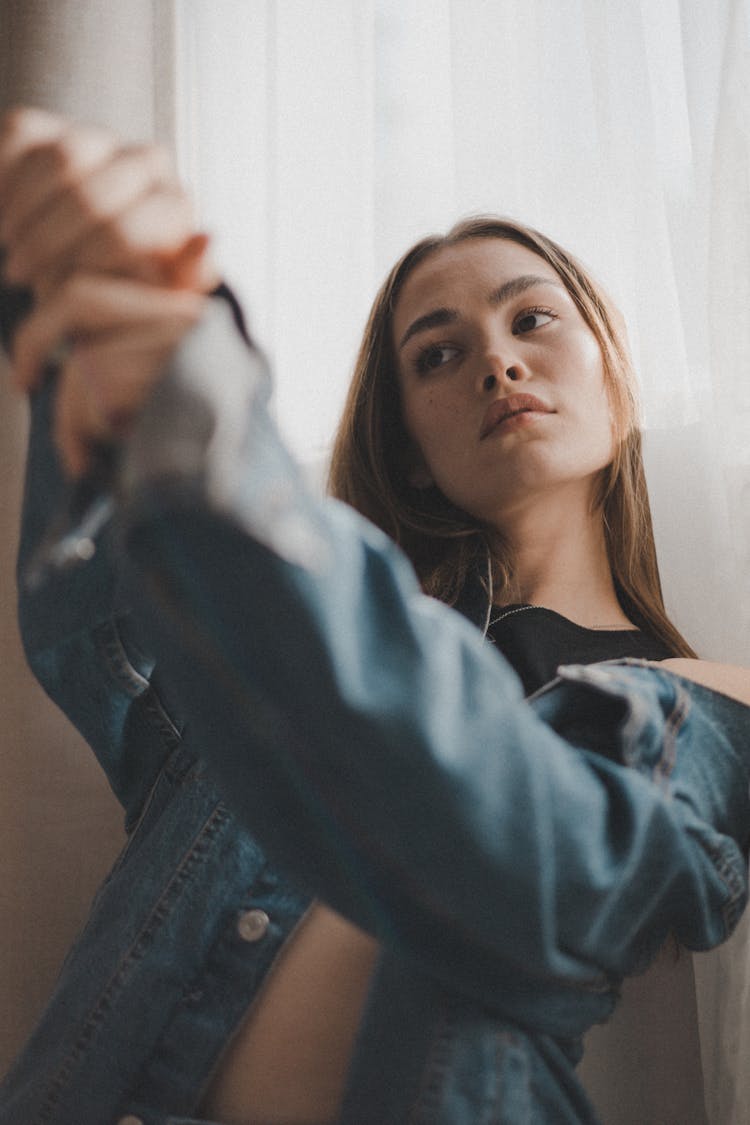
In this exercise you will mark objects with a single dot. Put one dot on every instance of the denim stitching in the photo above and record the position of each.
(159, 913)
(165, 728)
(109, 644)
(133, 831)
(107, 640)
(180, 767)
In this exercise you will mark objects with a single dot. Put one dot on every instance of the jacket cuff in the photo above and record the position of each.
(205, 440)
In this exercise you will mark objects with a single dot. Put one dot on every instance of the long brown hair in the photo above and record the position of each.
(369, 465)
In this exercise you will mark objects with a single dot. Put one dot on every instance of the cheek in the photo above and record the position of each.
(598, 415)
(599, 424)
(443, 436)
(439, 443)
(417, 455)
(423, 419)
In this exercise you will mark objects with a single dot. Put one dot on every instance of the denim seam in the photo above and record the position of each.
(177, 769)
(157, 916)
(107, 639)
(132, 830)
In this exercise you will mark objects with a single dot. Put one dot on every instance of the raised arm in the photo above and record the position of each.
(428, 801)
(75, 207)
(365, 733)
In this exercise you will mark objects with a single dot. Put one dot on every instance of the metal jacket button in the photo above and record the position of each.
(252, 925)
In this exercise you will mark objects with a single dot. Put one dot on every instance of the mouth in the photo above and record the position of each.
(502, 409)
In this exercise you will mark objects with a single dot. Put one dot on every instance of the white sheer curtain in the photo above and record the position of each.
(323, 138)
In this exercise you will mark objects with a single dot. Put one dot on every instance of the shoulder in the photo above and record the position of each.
(729, 679)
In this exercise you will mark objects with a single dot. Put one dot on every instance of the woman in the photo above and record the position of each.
(534, 639)
(497, 870)
(574, 537)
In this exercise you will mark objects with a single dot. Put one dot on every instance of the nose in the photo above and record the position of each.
(491, 380)
(499, 363)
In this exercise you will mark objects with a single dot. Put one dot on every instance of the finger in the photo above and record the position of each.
(102, 387)
(134, 244)
(20, 129)
(118, 370)
(85, 203)
(76, 428)
(186, 264)
(88, 306)
(44, 167)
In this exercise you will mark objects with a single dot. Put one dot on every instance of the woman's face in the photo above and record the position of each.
(502, 381)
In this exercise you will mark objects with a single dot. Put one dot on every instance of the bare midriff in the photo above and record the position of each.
(287, 1063)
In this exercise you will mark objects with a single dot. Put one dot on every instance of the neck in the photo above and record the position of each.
(559, 561)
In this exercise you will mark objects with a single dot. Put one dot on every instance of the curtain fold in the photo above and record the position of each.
(59, 825)
(723, 977)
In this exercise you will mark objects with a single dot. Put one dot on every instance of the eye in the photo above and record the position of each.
(531, 319)
(435, 356)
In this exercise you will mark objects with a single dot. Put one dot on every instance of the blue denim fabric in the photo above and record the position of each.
(515, 859)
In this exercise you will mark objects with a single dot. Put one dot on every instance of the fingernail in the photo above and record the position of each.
(187, 256)
(193, 248)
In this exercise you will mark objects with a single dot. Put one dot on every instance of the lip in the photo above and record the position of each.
(503, 408)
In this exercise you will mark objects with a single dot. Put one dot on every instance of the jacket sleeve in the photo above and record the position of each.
(382, 751)
(80, 639)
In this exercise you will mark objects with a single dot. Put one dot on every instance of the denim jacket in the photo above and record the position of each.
(311, 725)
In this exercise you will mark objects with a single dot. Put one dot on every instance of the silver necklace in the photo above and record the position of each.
(594, 628)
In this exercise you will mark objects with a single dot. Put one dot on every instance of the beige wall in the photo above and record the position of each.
(59, 825)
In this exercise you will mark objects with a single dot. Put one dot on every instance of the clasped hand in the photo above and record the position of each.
(104, 236)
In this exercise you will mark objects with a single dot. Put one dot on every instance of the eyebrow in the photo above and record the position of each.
(506, 292)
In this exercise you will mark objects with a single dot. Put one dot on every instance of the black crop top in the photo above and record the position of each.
(537, 640)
